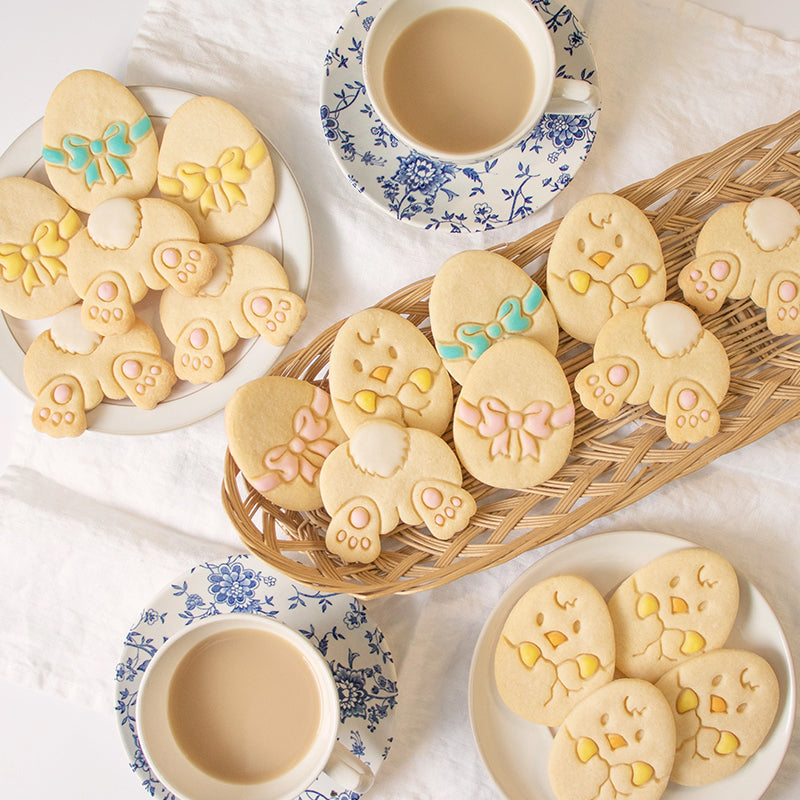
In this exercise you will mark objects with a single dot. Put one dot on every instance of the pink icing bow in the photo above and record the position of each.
(286, 461)
(494, 420)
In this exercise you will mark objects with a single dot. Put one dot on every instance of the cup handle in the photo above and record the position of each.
(573, 97)
(348, 771)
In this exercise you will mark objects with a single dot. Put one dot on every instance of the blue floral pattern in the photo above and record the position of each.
(439, 195)
(338, 625)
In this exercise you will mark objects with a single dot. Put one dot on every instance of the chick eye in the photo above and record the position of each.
(618, 240)
(740, 709)
(675, 581)
(581, 245)
(539, 618)
(392, 352)
(358, 366)
(576, 626)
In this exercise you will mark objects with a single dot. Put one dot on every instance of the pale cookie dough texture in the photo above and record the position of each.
(98, 141)
(749, 250)
(280, 431)
(383, 367)
(215, 164)
(678, 606)
(514, 419)
(724, 704)
(556, 648)
(605, 258)
(478, 298)
(617, 743)
(37, 229)
(662, 356)
(384, 474)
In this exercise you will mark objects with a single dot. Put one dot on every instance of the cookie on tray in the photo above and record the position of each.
(37, 229)
(98, 141)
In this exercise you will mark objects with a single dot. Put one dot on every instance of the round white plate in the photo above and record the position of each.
(516, 751)
(336, 624)
(285, 234)
(438, 195)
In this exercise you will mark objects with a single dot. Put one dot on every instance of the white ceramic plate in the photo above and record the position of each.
(516, 751)
(286, 235)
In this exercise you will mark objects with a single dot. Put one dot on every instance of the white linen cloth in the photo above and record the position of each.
(91, 528)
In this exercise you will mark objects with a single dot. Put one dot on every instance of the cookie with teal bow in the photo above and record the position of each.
(479, 298)
(98, 141)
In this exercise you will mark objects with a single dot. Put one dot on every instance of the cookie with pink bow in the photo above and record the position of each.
(280, 430)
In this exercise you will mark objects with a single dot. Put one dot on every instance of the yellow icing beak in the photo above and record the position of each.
(727, 744)
(693, 642)
(580, 281)
(381, 373)
(679, 605)
(718, 704)
(640, 274)
(642, 773)
(366, 400)
(616, 740)
(422, 378)
(647, 605)
(587, 665)
(601, 258)
(585, 748)
(555, 638)
(687, 701)
(529, 653)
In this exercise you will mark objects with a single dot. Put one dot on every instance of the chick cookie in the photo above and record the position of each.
(605, 257)
(248, 295)
(98, 141)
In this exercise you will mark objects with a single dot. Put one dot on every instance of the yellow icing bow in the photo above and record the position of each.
(218, 187)
(38, 262)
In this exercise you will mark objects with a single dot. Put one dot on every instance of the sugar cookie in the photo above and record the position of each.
(37, 228)
(384, 474)
(382, 366)
(98, 141)
(662, 356)
(280, 430)
(724, 704)
(514, 419)
(478, 298)
(214, 163)
(248, 295)
(69, 370)
(617, 743)
(677, 606)
(749, 250)
(556, 647)
(605, 257)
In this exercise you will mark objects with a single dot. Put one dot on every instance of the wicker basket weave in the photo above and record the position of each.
(613, 463)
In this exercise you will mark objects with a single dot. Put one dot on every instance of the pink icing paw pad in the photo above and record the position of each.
(146, 379)
(444, 507)
(275, 314)
(107, 308)
(354, 531)
(59, 409)
(605, 385)
(692, 414)
(708, 280)
(783, 304)
(198, 353)
(186, 265)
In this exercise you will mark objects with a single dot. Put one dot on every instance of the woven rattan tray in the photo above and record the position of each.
(613, 463)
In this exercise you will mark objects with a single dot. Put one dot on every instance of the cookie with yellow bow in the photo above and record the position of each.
(214, 163)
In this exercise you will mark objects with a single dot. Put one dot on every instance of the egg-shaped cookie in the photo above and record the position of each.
(605, 257)
(37, 229)
(215, 164)
(280, 431)
(617, 743)
(514, 419)
(677, 606)
(383, 367)
(556, 648)
(724, 704)
(98, 141)
(479, 297)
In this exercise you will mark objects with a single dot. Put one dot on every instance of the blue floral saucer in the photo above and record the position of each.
(437, 194)
(337, 624)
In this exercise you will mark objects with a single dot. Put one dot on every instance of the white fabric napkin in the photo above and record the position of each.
(91, 528)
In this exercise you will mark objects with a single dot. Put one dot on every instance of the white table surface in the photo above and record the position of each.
(51, 748)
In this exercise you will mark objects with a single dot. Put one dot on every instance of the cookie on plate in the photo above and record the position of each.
(556, 647)
(724, 703)
(37, 229)
(478, 298)
(617, 743)
(662, 356)
(383, 367)
(214, 164)
(675, 607)
(280, 431)
(98, 141)
(514, 419)
(384, 474)
(605, 257)
(749, 250)
(248, 295)
(69, 370)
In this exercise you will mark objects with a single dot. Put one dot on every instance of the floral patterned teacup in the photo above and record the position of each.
(276, 673)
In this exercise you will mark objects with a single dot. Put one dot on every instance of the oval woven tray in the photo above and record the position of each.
(612, 463)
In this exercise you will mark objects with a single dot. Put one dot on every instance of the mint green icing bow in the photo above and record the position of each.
(514, 315)
(80, 154)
